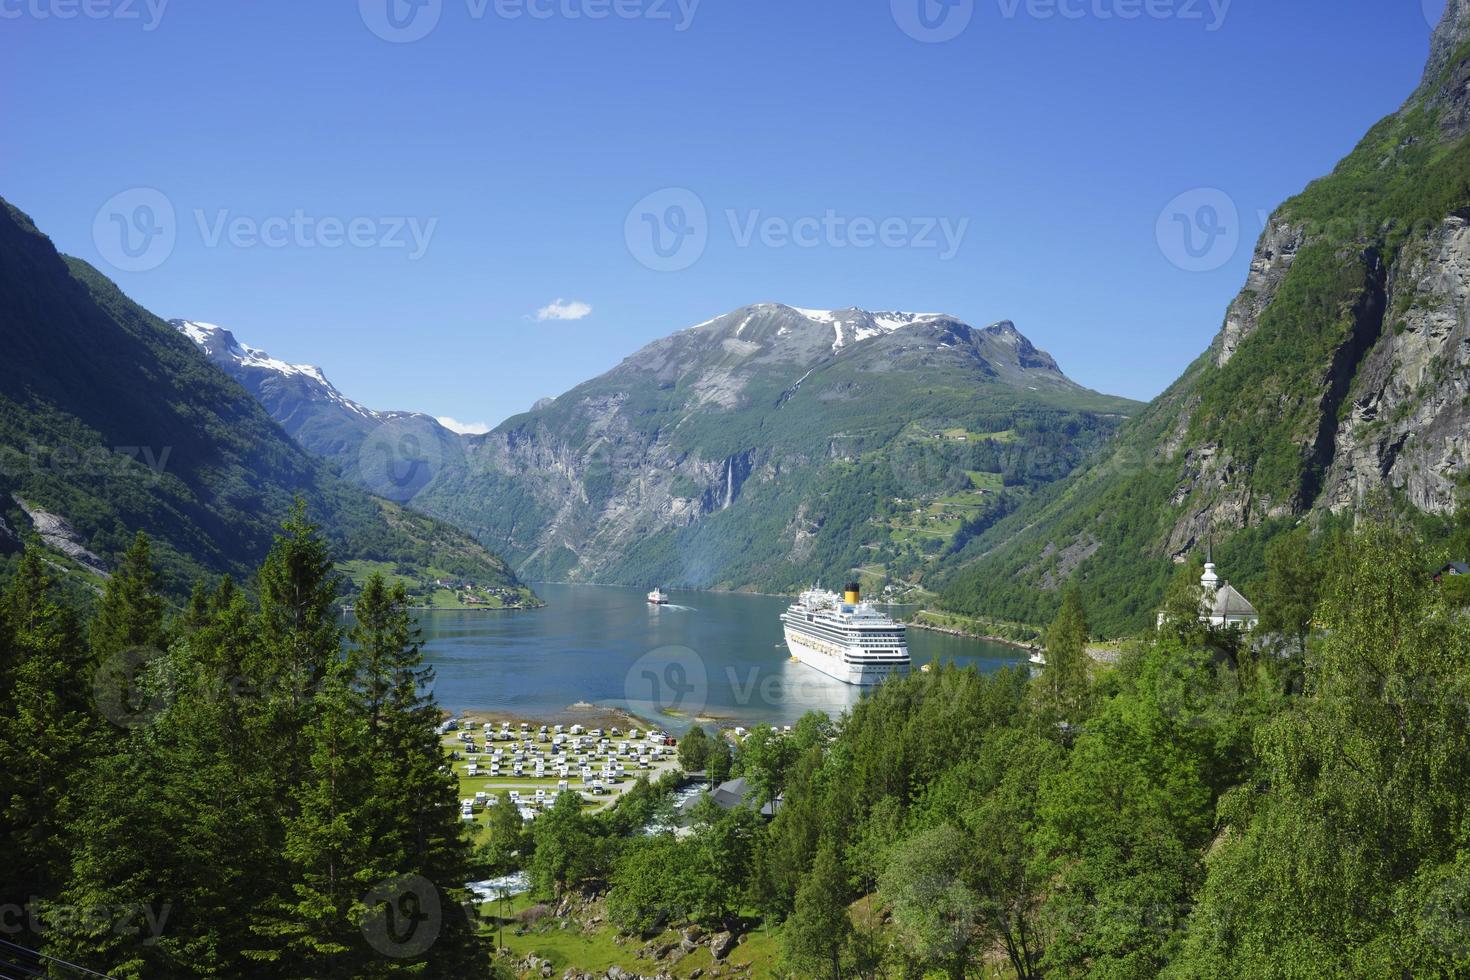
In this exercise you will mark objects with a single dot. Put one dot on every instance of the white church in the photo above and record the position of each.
(1221, 604)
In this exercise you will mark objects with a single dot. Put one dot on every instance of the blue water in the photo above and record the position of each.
(709, 656)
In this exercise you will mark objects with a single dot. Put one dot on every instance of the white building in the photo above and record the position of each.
(1221, 604)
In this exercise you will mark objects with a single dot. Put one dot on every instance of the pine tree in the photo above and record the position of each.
(313, 932)
(130, 615)
(299, 635)
(813, 937)
(47, 732)
(182, 822)
(416, 794)
(1064, 681)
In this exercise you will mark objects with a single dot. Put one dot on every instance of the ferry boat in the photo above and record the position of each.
(846, 638)
(658, 597)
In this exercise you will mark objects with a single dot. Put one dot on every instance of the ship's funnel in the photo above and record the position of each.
(851, 594)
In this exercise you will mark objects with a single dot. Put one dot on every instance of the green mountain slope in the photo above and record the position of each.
(774, 446)
(111, 422)
(1342, 370)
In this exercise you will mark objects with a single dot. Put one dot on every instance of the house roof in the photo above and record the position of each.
(727, 795)
(1229, 602)
(1456, 568)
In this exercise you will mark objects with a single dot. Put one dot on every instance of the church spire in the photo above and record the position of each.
(1210, 581)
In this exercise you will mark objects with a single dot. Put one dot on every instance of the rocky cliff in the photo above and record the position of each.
(767, 447)
(1341, 372)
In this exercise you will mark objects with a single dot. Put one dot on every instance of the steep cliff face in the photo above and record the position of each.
(1407, 425)
(1341, 371)
(765, 448)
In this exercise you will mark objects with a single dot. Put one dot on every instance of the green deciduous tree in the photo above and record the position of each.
(934, 909)
(1290, 592)
(694, 750)
(1347, 854)
(567, 848)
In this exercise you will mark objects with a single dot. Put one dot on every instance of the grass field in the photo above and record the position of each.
(599, 950)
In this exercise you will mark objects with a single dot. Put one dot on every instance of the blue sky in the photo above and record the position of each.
(399, 210)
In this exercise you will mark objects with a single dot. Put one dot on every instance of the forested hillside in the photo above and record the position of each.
(112, 422)
(1285, 803)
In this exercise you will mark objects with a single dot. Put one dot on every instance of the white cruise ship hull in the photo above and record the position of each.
(834, 664)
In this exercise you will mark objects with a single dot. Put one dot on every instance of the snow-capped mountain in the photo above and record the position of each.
(803, 425)
(242, 362)
(322, 419)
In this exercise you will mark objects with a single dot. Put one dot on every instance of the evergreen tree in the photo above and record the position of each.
(130, 615)
(299, 635)
(313, 932)
(814, 936)
(1064, 681)
(48, 733)
(415, 795)
(182, 823)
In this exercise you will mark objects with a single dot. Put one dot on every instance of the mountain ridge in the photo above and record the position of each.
(642, 473)
(111, 422)
(1341, 372)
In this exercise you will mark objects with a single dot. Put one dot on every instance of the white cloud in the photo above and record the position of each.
(463, 428)
(562, 309)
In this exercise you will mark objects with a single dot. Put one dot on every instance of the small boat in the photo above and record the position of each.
(658, 597)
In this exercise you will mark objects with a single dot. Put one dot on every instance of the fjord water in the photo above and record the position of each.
(715, 656)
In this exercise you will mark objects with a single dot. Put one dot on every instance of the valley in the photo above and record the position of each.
(800, 643)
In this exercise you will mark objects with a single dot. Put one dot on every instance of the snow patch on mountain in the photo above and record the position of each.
(853, 325)
(221, 347)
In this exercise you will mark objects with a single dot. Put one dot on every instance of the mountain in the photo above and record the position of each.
(112, 422)
(773, 446)
(1341, 373)
(321, 418)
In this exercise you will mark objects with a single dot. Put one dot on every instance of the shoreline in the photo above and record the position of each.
(966, 634)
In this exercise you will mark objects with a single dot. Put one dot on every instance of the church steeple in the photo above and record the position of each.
(1210, 581)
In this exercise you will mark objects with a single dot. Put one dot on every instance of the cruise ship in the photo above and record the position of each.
(846, 638)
